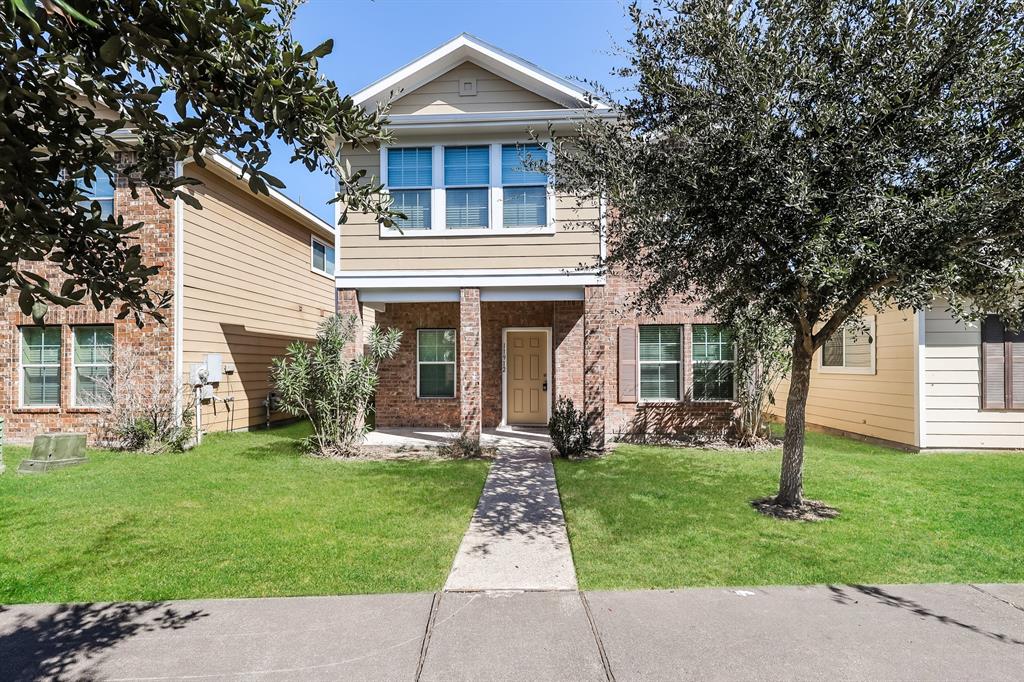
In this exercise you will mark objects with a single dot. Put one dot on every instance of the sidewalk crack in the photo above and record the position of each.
(605, 663)
(435, 605)
(1009, 603)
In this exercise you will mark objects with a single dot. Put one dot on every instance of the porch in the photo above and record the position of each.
(504, 438)
(490, 362)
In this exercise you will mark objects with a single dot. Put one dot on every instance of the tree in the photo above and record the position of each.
(321, 382)
(236, 78)
(815, 157)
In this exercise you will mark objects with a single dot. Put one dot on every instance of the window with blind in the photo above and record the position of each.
(323, 257)
(435, 363)
(714, 360)
(40, 366)
(525, 190)
(100, 192)
(850, 350)
(660, 360)
(93, 360)
(1002, 370)
(467, 178)
(410, 177)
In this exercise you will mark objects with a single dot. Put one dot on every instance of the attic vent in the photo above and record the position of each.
(467, 87)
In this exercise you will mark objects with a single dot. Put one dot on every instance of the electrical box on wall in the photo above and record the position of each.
(206, 392)
(214, 365)
(197, 374)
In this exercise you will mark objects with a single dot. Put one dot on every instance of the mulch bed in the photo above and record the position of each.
(810, 510)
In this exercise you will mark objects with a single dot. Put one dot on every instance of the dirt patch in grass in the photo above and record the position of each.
(810, 510)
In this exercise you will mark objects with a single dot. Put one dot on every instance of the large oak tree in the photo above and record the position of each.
(816, 157)
(237, 79)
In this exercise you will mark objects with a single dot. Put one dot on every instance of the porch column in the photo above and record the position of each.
(347, 305)
(594, 348)
(470, 365)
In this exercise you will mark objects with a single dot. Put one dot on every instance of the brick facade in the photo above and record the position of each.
(154, 342)
(584, 362)
(470, 366)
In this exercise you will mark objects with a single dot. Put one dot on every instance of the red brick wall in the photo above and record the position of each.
(631, 419)
(155, 342)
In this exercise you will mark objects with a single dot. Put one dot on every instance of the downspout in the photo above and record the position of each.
(920, 346)
(179, 292)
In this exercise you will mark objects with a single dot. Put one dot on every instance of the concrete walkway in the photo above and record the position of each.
(907, 632)
(517, 538)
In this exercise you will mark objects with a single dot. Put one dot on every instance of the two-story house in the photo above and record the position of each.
(492, 276)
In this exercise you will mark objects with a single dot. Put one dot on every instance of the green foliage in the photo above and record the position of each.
(237, 79)
(569, 429)
(763, 355)
(463, 446)
(317, 381)
(814, 157)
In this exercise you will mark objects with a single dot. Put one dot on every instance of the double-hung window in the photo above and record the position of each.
(660, 355)
(851, 349)
(525, 190)
(101, 192)
(410, 177)
(93, 365)
(435, 363)
(323, 257)
(714, 359)
(40, 366)
(467, 178)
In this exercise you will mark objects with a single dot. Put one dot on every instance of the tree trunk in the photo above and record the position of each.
(791, 481)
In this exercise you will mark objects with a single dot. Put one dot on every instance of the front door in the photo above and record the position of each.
(526, 386)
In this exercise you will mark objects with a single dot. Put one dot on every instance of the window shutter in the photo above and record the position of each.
(1016, 369)
(627, 364)
(993, 364)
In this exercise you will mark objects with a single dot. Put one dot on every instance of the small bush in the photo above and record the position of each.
(464, 446)
(569, 429)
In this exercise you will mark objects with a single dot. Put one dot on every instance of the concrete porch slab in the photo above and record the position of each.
(503, 438)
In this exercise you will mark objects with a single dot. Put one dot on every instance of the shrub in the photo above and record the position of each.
(763, 358)
(569, 429)
(463, 446)
(146, 414)
(317, 381)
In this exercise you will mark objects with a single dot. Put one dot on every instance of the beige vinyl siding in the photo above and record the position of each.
(879, 405)
(441, 95)
(573, 243)
(952, 366)
(248, 292)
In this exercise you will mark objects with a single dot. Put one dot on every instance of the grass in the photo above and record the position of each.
(646, 517)
(243, 515)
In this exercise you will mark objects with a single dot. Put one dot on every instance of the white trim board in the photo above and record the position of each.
(504, 368)
(179, 294)
(463, 48)
(463, 279)
(451, 295)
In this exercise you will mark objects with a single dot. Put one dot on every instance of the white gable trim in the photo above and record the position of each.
(465, 47)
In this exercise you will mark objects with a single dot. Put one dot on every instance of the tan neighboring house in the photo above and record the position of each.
(249, 274)
(492, 277)
(921, 381)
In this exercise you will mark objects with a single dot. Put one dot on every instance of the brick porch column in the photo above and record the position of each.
(470, 365)
(346, 305)
(594, 348)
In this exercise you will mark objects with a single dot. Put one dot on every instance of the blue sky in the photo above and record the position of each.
(571, 38)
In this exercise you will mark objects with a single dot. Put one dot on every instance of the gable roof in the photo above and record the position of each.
(463, 48)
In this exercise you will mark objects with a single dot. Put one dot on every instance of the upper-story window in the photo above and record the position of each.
(102, 192)
(470, 189)
(525, 189)
(323, 257)
(410, 172)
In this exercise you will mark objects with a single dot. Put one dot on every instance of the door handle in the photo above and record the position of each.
(545, 387)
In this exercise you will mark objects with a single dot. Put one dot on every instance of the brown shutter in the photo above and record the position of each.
(1015, 357)
(993, 365)
(627, 365)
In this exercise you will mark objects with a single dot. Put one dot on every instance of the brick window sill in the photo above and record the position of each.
(87, 410)
(36, 410)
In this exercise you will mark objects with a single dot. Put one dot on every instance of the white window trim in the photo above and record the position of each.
(495, 212)
(22, 367)
(822, 368)
(679, 368)
(87, 202)
(454, 363)
(313, 240)
(694, 362)
(75, 365)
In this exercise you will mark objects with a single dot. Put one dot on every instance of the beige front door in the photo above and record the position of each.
(526, 400)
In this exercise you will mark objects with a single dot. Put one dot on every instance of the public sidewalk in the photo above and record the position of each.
(905, 632)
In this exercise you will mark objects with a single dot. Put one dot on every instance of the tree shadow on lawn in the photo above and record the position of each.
(840, 596)
(67, 641)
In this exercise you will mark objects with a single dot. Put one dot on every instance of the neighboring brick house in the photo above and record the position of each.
(491, 280)
(249, 274)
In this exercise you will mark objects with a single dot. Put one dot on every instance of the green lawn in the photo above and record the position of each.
(242, 515)
(647, 517)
